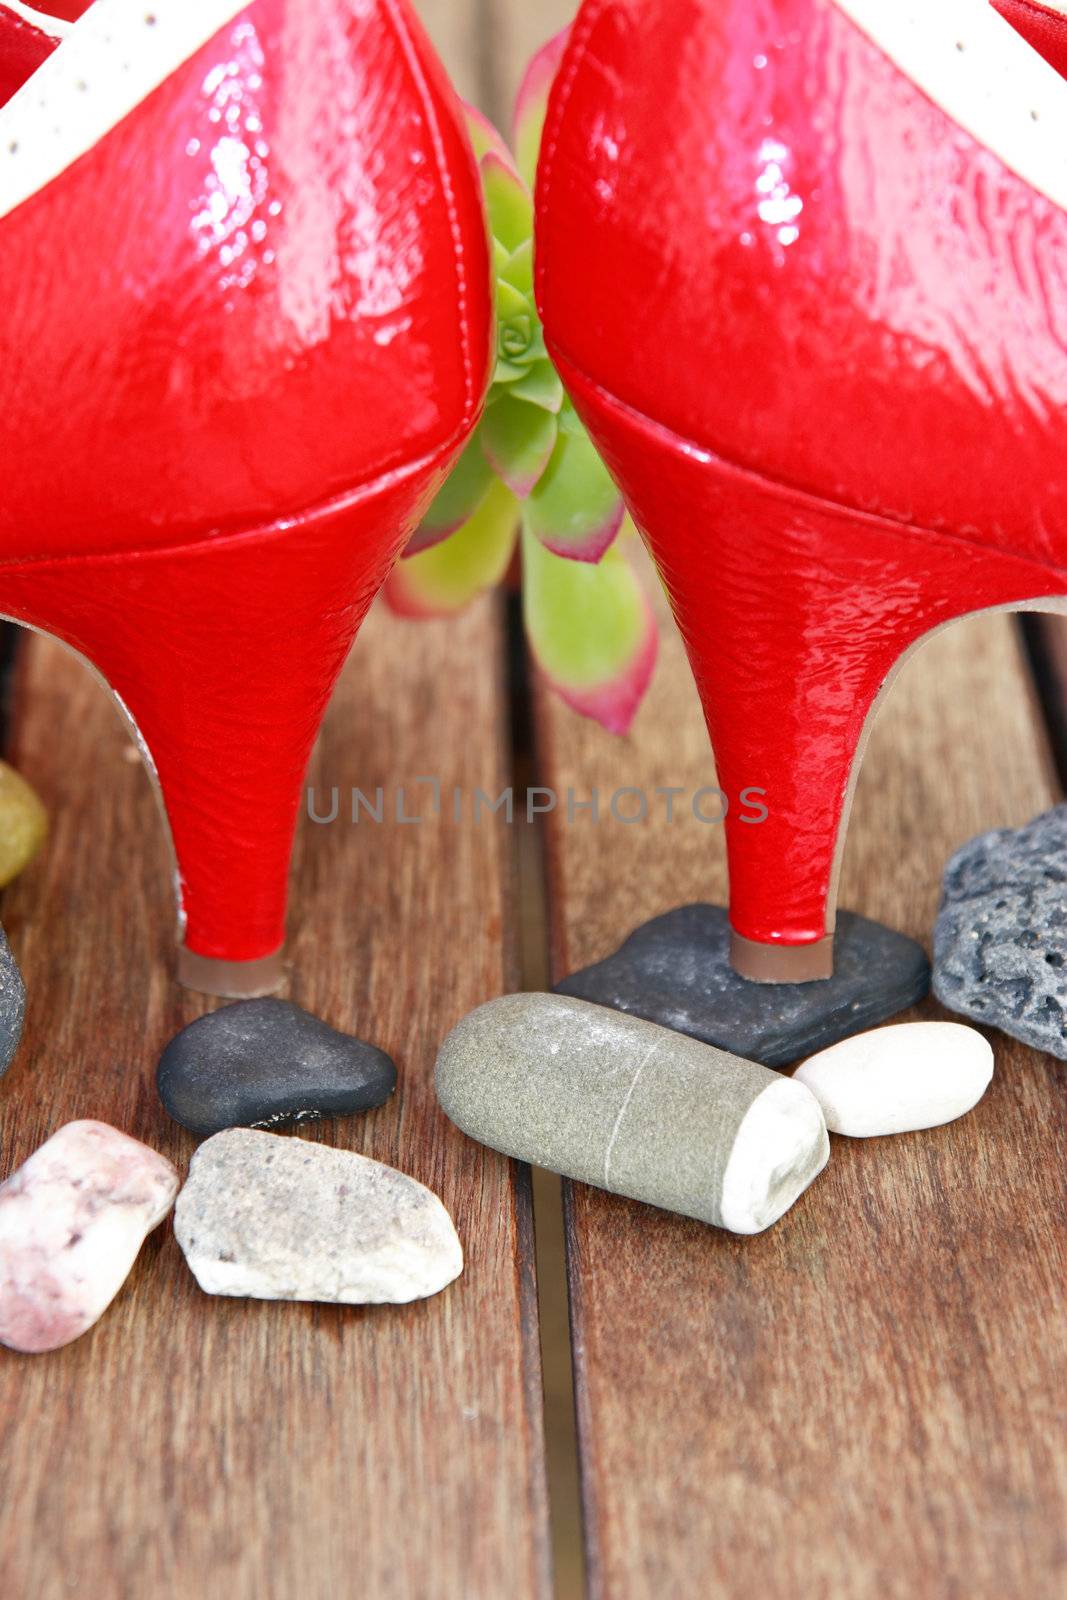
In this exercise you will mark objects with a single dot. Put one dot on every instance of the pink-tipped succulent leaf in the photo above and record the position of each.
(531, 103)
(574, 508)
(591, 630)
(442, 579)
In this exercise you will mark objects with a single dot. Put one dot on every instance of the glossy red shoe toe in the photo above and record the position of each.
(245, 332)
(803, 264)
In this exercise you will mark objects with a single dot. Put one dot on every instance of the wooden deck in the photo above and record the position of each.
(869, 1401)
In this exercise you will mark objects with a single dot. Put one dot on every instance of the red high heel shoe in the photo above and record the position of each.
(803, 267)
(26, 40)
(1045, 26)
(245, 331)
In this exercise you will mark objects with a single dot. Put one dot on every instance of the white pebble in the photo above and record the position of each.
(279, 1218)
(897, 1079)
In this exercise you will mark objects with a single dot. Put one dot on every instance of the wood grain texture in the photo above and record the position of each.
(869, 1399)
(198, 1446)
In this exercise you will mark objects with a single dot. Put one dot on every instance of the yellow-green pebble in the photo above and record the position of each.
(23, 823)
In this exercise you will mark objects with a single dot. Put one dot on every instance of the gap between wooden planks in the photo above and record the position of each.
(869, 1400)
(198, 1446)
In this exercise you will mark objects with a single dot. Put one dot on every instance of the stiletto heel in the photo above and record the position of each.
(227, 728)
(795, 620)
(831, 377)
(215, 446)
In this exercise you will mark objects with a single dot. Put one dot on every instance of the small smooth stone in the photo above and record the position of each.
(898, 1079)
(72, 1221)
(1000, 944)
(633, 1108)
(675, 970)
(23, 823)
(12, 1004)
(265, 1063)
(273, 1218)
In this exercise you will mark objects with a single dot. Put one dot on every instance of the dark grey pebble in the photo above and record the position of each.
(1000, 945)
(265, 1063)
(675, 970)
(12, 1004)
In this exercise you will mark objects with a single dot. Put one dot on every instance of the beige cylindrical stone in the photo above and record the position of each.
(614, 1101)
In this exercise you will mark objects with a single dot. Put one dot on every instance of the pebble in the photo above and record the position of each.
(633, 1108)
(265, 1063)
(276, 1218)
(1000, 944)
(23, 823)
(12, 1004)
(675, 970)
(72, 1220)
(897, 1079)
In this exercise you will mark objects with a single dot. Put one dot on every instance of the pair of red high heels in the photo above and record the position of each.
(802, 265)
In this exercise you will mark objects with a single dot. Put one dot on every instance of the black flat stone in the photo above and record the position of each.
(265, 1063)
(1000, 945)
(676, 970)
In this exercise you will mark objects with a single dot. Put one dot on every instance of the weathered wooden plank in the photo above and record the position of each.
(196, 1446)
(868, 1400)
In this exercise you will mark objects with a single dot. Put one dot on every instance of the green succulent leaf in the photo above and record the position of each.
(589, 624)
(457, 499)
(442, 580)
(518, 439)
(484, 136)
(507, 201)
(540, 385)
(574, 508)
(517, 269)
(591, 630)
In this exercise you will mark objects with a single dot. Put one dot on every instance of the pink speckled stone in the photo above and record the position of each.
(72, 1220)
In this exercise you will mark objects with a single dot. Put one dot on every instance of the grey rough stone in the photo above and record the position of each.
(675, 970)
(632, 1108)
(12, 1004)
(265, 1063)
(1000, 944)
(276, 1218)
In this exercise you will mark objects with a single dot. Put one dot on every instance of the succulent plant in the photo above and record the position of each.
(530, 464)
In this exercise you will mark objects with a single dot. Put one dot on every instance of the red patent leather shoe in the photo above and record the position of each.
(27, 39)
(1045, 26)
(244, 331)
(803, 266)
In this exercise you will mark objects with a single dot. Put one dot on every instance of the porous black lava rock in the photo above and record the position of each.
(676, 970)
(1000, 944)
(12, 1004)
(265, 1063)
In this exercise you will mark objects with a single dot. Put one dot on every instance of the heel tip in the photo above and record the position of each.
(235, 980)
(780, 963)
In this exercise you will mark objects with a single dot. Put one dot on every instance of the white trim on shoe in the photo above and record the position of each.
(964, 56)
(108, 61)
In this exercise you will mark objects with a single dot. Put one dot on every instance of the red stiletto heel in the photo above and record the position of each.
(829, 375)
(220, 431)
(793, 635)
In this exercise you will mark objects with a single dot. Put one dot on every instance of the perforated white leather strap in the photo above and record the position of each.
(969, 61)
(107, 63)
